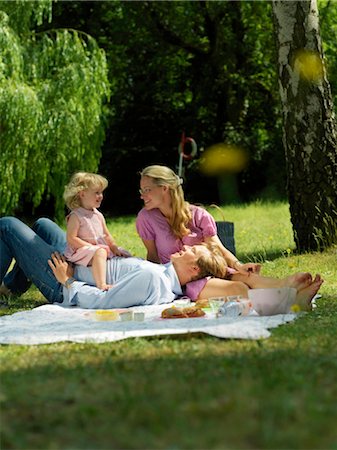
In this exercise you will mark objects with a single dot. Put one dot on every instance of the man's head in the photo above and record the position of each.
(199, 261)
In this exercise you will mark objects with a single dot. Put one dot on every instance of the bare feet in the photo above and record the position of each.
(298, 281)
(305, 295)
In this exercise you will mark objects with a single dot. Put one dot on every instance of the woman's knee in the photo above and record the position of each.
(240, 288)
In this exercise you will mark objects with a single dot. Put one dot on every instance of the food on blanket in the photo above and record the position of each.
(105, 315)
(182, 313)
(126, 316)
(182, 302)
(202, 303)
(216, 302)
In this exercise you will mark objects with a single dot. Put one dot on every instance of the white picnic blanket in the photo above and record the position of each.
(54, 323)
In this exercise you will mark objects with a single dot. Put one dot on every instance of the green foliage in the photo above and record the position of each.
(23, 14)
(328, 23)
(210, 71)
(52, 91)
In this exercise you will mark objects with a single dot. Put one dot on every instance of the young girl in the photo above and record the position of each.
(88, 239)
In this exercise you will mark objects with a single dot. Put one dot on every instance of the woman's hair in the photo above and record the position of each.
(181, 213)
(81, 181)
(212, 264)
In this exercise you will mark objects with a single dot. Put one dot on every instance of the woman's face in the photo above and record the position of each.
(153, 196)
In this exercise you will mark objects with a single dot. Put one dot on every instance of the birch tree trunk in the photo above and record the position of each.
(309, 128)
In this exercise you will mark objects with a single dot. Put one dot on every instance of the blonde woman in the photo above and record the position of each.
(89, 241)
(168, 222)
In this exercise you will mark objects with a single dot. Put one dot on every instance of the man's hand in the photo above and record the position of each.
(61, 269)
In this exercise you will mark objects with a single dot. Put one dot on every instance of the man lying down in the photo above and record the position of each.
(38, 258)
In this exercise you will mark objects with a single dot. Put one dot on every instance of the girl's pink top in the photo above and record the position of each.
(91, 230)
(153, 226)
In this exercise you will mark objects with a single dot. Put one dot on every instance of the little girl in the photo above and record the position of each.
(88, 239)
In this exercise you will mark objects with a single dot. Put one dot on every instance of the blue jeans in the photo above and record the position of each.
(31, 248)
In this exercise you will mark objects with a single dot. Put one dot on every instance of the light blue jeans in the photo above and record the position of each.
(31, 248)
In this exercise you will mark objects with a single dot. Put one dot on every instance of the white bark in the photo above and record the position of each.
(309, 128)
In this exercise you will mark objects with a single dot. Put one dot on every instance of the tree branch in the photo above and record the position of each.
(171, 37)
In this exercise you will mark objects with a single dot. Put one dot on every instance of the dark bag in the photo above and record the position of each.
(226, 235)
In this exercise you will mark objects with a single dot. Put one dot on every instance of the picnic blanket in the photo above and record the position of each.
(54, 323)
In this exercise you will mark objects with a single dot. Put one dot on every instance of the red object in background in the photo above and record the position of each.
(181, 148)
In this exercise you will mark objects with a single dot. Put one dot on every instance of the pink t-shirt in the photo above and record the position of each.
(153, 226)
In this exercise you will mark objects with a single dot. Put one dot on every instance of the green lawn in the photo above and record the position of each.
(185, 392)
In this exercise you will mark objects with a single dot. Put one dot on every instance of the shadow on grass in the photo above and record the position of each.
(261, 256)
(170, 394)
(29, 300)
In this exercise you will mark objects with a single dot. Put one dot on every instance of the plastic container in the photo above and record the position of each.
(235, 309)
(103, 315)
(138, 316)
(126, 316)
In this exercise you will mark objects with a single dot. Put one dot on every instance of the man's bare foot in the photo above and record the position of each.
(305, 296)
(298, 281)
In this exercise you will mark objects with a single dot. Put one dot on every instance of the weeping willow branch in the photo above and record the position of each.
(53, 88)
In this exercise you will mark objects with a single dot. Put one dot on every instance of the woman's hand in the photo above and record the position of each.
(248, 267)
(119, 251)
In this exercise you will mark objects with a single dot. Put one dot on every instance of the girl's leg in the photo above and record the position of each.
(216, 287)
(31, 253)
(99, 269)
(16, 281)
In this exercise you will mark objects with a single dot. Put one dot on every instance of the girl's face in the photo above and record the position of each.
(153, 196)
(91, 198)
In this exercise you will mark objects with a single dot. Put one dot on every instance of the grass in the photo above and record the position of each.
(185, 392)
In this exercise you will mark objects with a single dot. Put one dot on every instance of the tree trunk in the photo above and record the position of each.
(309, 128)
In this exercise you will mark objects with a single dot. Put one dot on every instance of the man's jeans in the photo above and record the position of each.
(31, 248)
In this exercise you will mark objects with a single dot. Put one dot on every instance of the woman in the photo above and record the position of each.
(167, 223)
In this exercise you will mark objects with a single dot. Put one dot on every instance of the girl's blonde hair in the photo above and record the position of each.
(81, 181)
(181, 213)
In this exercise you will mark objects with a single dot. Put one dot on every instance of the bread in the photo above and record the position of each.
(202, 303)
(182, 313)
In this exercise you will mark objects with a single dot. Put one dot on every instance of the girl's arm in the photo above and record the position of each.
(73, 226)
(152, 254)
(111, 242)
(232, 260)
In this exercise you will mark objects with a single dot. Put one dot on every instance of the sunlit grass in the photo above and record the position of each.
(261, 229)
(191, 391)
